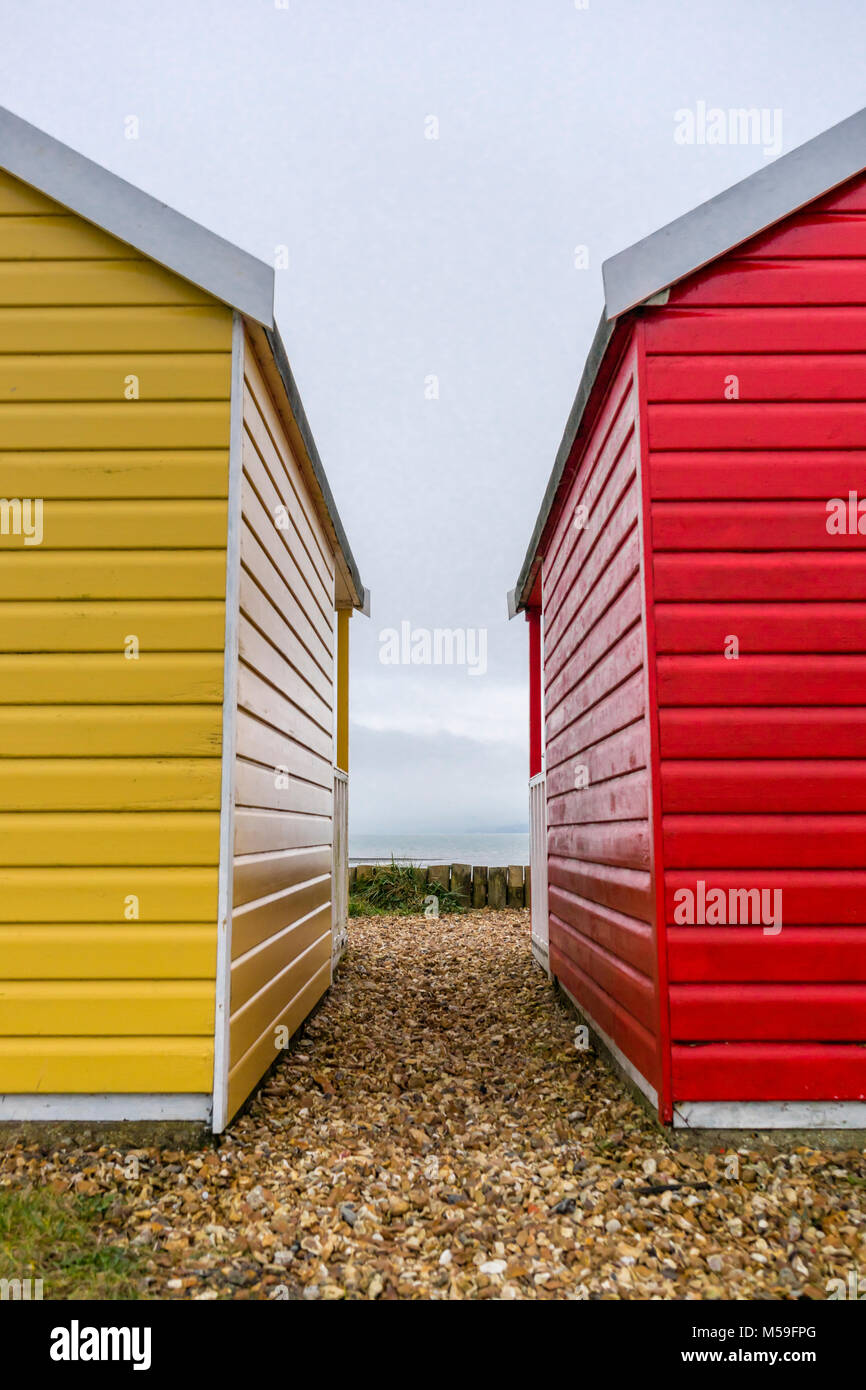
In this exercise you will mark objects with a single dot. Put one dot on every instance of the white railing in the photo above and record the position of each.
(340, 880)
(538, 863)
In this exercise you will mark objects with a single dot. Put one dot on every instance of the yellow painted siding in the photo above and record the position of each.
(109, 767)
(281, 924)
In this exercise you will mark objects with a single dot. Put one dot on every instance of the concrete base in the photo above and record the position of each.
(117, 1134)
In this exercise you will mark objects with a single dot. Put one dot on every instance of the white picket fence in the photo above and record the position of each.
(538, 863)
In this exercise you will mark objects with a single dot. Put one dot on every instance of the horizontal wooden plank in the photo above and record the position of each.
(259, 567)
(765, 841)
(247, 1071)
(59, 236)
(727, 474)
(835, 732)
(621, 566)
(257, 1017)
(810, 234)
(277, 481)
(628, 891)
(122, 425)
(269, 705)
(272, 438)
(159, 677)
(109, 784)
(632, 990)
(825, 376)
(40, 1008)
(116, 328)
(769, 1071)
(179, 523)
(742, 575)
(133, 473)
(256, 922)
(766, 281)
(614, 669)
(624, 843)
(801, 1012)
(80, 837)
(263, 656)
(761, 627)
(182, 625)
(625, 938)
(766, 525)
(168, 376)
(810, 896)
(263, 614)
(618, 619)
(797, 954)
(258, 876)
(767, 328)
(104, 731)
(622, 707)
(65, 951)
(761, 680)
(281, 789)
(258, 831)
(291, 565)
(622, 752)
(73, 1065)
(253, 972)
(56, 283)
(639, 1045)
(769, 425)
(752, 785)
(619, 799)
(17, 197)
(103, 895)
(259, 743)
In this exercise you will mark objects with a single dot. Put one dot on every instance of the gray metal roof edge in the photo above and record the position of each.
(603, 334)
(733, 216)
(196, 254)
(281, 360)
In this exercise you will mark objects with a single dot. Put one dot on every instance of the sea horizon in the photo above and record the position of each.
(493, 847)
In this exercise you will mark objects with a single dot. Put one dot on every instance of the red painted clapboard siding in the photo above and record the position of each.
(768, 1071)
(763, 775)
(824, 953)
(602, 933)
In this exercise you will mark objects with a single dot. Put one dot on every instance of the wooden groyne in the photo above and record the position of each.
(477, 885)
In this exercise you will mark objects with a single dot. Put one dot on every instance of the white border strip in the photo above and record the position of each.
(767, 1114)
(222, 1009)
(133, 1106)
(618, 1055)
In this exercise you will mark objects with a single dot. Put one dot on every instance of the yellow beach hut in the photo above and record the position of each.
(175, 594)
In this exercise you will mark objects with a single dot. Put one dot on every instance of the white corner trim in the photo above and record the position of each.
(222, 1003)
(98, 1107)
(618, 1055)
(767, 1114)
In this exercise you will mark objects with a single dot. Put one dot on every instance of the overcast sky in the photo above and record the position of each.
(308, 125)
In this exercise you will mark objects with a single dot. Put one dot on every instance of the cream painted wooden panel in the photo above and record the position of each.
(281, 920)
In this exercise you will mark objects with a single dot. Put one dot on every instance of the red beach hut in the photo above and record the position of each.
(696, 594)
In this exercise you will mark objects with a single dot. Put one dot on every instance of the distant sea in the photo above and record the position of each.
(494, 847)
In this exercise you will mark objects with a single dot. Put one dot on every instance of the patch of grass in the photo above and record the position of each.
(58, 1239)
(399, 890)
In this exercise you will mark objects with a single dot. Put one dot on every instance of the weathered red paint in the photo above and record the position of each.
(719, 427)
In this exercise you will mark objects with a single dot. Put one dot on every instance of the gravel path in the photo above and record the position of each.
(436, 1134)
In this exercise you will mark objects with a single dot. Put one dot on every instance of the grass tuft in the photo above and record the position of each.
(59, 1238)
(399, 890)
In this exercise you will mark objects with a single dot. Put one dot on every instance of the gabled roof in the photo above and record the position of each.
(215, 265)
(732, 217)
(166, 236)
(653, 265)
